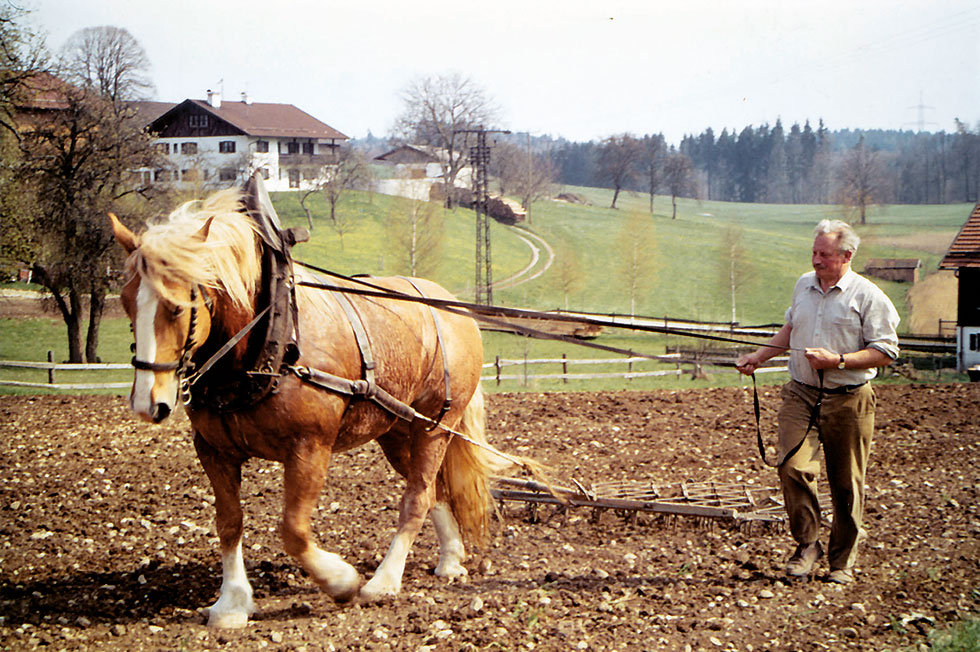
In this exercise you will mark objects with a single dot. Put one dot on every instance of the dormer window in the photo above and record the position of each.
(197, 121)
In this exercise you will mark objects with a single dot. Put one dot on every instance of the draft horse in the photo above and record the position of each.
(198, 294)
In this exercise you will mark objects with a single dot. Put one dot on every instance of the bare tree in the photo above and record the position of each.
(679, 178)
(636, 247)
(22, 58)
(108, 61)
(524, 173)
(860, 179)
(348, 171)
(78, 162)
(568, 275)
(735, 267)
(654, 150)
(436, 109)
(618, 159)
(415, 235)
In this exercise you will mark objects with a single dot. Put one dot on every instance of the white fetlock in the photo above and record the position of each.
(450, 567)
(335, 576)
(232, 610)
(380, 586)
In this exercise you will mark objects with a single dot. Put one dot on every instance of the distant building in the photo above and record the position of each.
(963, 256)
(894, 269)
(219, 143)
(416, 172)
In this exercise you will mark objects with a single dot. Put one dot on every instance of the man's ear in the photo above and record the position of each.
(126, 238)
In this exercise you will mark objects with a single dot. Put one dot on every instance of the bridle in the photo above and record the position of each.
(187, 372)
(184, 367)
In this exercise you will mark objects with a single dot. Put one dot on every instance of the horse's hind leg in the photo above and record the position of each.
(451, 549)
(234, 604)
(425, 451)
(305, 469)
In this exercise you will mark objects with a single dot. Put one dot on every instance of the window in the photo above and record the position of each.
(163, 148)
(227, 174)
(294, 178)
(262, 146)
(308, 148)
(161, 175)
(292, 148)
(192, 174)
(226, 147)
(265, 173)
(188, 148)
(197, 120)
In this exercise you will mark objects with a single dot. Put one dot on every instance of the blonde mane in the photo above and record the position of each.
(172, 254)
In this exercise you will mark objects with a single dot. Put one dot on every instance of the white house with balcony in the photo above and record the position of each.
(218, 143)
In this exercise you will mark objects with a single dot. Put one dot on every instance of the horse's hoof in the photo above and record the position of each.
(451, 570)
(228, 620)
(375, 591)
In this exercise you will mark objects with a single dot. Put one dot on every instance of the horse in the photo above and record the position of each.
(194, 289)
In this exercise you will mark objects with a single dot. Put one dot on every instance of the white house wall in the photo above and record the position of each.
(213, 160)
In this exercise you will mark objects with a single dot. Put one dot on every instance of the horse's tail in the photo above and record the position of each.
(465, 474)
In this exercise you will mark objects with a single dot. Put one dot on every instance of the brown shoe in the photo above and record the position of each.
(841, 576)
(804, 560)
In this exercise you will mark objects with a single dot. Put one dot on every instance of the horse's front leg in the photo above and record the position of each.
(234, 604)
(427, 450)
(305, 469)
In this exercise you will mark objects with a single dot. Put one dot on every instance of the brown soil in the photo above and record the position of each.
(108, 539)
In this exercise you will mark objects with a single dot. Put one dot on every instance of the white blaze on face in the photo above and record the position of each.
(147, 301)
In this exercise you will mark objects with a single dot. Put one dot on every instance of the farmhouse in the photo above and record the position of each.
(416, 172)
(213, 142)
(963, 257)
(894, 269)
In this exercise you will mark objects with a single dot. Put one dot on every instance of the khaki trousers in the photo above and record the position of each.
(846, 426)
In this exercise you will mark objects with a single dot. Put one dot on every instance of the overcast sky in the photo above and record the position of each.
(581, 69)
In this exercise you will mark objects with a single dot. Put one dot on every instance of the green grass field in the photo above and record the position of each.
(684, 277)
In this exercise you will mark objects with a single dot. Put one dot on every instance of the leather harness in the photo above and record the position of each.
(274, 348)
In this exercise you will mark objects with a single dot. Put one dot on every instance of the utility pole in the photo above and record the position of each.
(480, 160)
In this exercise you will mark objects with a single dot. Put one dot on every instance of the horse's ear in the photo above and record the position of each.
(126, 238)
(202, 235)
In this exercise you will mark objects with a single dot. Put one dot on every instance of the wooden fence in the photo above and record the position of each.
(52, 367)
(500, 364)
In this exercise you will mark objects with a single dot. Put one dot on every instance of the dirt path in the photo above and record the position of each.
(108, 540)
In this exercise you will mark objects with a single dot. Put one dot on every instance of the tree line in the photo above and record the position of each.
(770, 164)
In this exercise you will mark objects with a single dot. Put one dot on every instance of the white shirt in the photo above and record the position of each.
(852, 315)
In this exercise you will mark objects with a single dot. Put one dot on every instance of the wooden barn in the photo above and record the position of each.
(963, 257)
(894, 269)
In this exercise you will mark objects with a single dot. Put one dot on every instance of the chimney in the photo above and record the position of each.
(245, 98)
(214, 99)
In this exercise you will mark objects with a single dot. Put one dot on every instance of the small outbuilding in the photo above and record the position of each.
(963, 257)
(894, 269)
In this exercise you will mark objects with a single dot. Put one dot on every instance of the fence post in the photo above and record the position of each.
(497, 366)
(525, 367)
(564, 368)
(629, 367)
(51, 369)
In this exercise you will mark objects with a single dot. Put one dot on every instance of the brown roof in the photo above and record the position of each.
(268, 120)
(150, 111)
(893, 263)
(44, 92)
(965, 250)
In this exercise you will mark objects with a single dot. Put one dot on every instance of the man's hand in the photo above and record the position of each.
(748, 363)
(822, 358)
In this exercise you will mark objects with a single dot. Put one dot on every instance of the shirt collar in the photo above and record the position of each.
(844, 282)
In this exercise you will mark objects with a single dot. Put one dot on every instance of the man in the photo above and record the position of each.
(839, 329)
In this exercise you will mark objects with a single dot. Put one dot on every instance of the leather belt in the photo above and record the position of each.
(843, 389)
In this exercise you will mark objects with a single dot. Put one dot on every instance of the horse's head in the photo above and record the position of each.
(170, 320)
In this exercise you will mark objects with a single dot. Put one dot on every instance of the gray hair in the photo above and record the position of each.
(847, 239)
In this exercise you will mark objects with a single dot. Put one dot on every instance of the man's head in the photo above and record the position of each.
(834, 244)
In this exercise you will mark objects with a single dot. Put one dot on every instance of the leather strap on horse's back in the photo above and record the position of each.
(360, 335)
(448, 400)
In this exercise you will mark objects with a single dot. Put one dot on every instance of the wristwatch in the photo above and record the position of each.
(840, 365)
